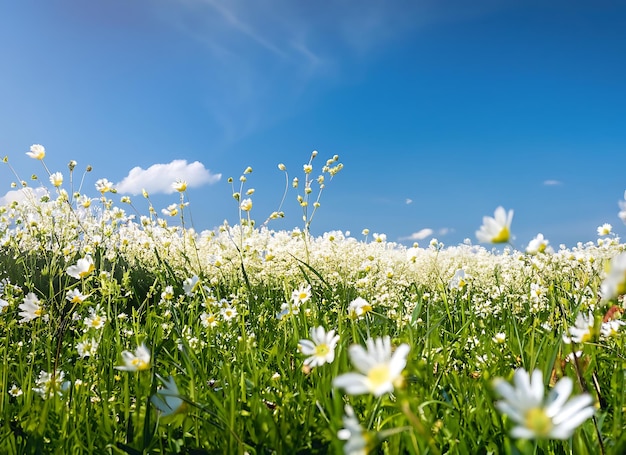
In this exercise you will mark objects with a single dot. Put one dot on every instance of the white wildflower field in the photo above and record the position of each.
(131, 333)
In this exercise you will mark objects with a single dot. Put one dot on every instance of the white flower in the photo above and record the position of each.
(83, 268)
(49, 383)
(228, 313)
(191, 285)
(611, 328)
(30, 308)
(497, 229)
(605, 229)
(167, 399)
(3, 305)
(171, 210)
(104, 186)
(15, 391)
(582, 331)
(95, 320)
(538, 245)
(179, 185)
(356, 439)
(459, 280)
(301, 295)
(75, 296)
(555, 417)
(358, 308)
(322, 347)
(379, 369)
(208, 320)
(379, 238)
(137, 361)
(246, 205)
(37, 152)
(56, 179)
(87, 348)
(614, 284)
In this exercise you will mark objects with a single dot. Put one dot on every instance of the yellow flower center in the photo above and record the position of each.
(322, 350)
(85, 273)
(378, 375)
(38, 312)
(503, 236)
(140, 364)
(538, 422)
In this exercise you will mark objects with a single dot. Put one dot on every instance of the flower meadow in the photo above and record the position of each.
(130, 333)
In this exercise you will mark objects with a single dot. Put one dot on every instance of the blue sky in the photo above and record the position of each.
(439, 110)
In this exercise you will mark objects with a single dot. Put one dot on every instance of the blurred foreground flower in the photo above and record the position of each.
(322, 347)
(354, 435)
(167, 400)
(497, 229)
(137, 361)
(379, 369)
(614, 284)
(556, 417)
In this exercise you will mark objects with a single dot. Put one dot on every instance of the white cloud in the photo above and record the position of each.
(419, 235)
(158, 178)
(427, 232)
(30, 194)
(552, 182)
(408, 201)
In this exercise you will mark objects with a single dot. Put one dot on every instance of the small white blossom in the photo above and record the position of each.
(379, 368)
(321, 347)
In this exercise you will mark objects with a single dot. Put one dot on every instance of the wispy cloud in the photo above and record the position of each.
(419, 235)
(408, 201)
(552, 182)
(427, 232)
(158, 178)
(281, 53)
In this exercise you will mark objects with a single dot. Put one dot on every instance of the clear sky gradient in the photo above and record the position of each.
(439, 110)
